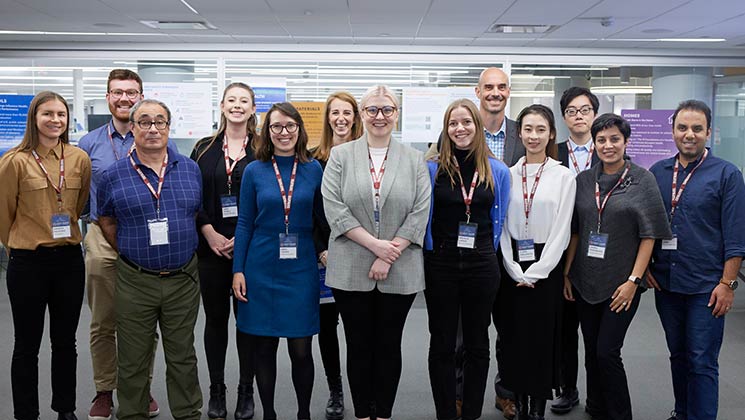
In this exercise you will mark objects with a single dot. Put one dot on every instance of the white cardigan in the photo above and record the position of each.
(550, 218)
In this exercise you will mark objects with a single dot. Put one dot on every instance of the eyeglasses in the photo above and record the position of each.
(372, 111)
(290, 127)
(146, 125)
(572, 111)
(131, 93)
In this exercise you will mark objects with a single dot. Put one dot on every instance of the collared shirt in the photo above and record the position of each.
(103, 152)
(581, 153)
(495, 141)
(28, 200)
(124, 196)
(709, 223)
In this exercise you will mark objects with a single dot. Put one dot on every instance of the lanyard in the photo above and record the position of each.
(574, 159)
(677, 193)
(161, 178)
(57, 189)
(528, 199)
(600, 206)
(111, 141)
(228, 167)
(286, 198)
(376, 180)
(467, 197)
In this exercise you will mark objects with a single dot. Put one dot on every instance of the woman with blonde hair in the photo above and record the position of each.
(470, 191)
(341, 123)
(46, 182)
(222, 159)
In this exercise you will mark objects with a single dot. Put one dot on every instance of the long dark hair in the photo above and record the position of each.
(250, 124)
(31, 136)
(552, 150)
(264, 148)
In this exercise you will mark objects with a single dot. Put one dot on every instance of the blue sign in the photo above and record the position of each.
(13, 112)
(268, 96)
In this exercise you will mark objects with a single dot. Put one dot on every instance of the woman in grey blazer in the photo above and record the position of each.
(376, 194)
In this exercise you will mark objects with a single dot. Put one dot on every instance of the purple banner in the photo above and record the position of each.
(651, 135)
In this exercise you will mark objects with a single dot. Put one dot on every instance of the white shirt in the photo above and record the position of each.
(549, 222)
(581, 153)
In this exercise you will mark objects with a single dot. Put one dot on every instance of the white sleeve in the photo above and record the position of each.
(505, 244)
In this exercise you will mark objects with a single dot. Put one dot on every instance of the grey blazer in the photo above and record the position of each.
(513, 146)
(404, 211)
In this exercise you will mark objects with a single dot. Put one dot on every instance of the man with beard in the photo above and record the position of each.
(106, 145)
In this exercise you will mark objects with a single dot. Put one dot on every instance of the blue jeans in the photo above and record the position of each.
(694, 338)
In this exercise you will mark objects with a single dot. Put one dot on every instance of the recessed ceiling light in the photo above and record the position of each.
(657, 31)
(176, 25)
(498, 28)
(108, 25)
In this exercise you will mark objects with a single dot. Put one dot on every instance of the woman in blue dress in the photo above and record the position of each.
(275, 271)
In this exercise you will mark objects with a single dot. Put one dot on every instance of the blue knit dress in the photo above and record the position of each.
(282, 293)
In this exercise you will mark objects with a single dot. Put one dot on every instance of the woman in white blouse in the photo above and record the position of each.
(534, 236)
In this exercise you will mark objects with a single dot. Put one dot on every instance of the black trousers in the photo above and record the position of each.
(51, 278)
(373, 326)
(459, 282)
(604, 332)
(216, 284)
(301, 356)
(499, 389)
(328, 340)
(569, 345)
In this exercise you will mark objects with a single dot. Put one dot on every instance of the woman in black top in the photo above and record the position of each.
(341, 123)
(222, 159)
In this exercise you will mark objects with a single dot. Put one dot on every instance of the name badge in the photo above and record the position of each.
(287, 246)
(60, 226)
(326, 295)
(597, 245)
(525, 250)
(158, 231)
(229, 204)
(670, 244)
(467, 235)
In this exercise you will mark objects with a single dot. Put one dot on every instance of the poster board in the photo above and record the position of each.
(312, 113)
(13, 113)
(651, 135)
(423, 109)
(190, 105)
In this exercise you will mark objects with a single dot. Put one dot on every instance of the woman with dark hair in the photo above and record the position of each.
(341, 123)
(45, 187)
(470, 192)
(535, 236)
(618, 215)
(222, 159)
(275, 273)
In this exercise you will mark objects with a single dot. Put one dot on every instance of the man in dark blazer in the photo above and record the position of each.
(579, 107)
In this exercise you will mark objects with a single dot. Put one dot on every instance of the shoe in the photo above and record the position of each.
(537, 409)
(568, 399)
(67, 416)
(458, 408)
(216, 408)
(244, 408)
(676, 416)
(335, 405)
(506, 406)
(103, 402)
(521, 407)
(152, 408)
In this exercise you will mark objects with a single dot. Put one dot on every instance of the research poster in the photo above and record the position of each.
(190, 105)
(423, 109)
(312, 113)
(13, 112)
(651, 135)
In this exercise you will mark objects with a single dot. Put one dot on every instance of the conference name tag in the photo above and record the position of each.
(288, 246)
(670, 244)
(525, 250)
(467, 235)
(229, 204)
(61, 226)
(598, 243)
(158, 229)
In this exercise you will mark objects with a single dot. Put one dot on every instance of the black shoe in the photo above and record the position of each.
(217, 408)
(244, 409)
(676, 416)
(537, 409)
(568, 399)
(67, 416)
(521, 407)
(335, 405)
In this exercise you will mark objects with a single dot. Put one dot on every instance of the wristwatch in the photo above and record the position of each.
(732, 284)
(636, 280)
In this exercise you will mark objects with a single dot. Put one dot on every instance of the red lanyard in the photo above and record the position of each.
(601, 207)
(376, 180)
(228, 167)
(57, 189)
(528, 199)
(677, 193)
(111, 141)
(574, 159)
(286, 198)
(467, 197)
(161, 178)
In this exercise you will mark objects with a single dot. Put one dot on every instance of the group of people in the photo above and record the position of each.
(497, 222)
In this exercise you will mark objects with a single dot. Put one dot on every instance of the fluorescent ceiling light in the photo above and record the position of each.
(619, 90)
(665, 39)
(4, 32)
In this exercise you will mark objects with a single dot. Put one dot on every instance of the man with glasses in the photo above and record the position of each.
(105, 145)
(578, 107)
(147, 204)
